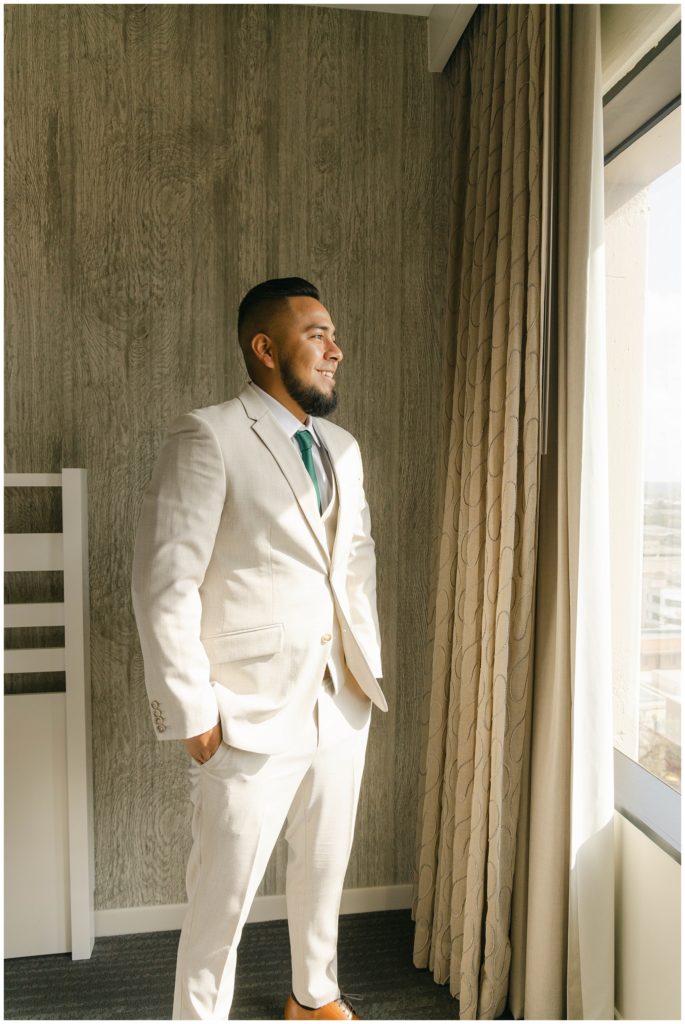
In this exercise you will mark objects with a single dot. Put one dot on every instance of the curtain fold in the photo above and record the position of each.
(514, 892)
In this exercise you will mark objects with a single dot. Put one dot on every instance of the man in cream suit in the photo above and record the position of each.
(254, 590)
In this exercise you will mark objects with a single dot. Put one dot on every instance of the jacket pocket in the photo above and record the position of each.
(243, 644)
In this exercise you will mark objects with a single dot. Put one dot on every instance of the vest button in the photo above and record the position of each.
(325, 638)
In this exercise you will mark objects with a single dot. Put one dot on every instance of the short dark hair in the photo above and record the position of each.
(263, 300)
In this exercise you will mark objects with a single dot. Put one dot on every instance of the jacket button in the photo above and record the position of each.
(325, 638)
(154, 704)
(161, 727)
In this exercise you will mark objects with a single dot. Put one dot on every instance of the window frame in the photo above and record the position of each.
(648, 802)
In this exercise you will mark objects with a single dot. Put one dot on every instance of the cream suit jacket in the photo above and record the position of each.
(234, 589)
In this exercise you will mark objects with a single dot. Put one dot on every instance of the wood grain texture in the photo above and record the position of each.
(160, 160)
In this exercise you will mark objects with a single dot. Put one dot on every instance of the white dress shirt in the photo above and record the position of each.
(290, 424)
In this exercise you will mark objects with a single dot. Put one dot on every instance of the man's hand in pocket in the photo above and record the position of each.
(202, 747)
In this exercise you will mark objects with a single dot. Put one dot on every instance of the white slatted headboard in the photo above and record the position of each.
(47, 732)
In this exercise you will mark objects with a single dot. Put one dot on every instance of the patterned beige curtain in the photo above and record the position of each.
(514, 894)
(562, 930)
(481, 633)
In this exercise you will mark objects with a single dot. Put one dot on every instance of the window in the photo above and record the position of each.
(644, 379)
(642, 235)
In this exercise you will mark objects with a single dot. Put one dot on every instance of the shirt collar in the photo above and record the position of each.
(287, 420)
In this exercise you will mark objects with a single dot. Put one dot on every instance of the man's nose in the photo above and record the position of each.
(333, 352)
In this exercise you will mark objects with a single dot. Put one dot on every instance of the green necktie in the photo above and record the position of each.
(305, 441)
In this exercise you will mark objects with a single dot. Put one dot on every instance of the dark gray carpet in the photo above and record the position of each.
(131, 977)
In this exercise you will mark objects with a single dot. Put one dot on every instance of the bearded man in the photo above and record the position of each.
(254, 590)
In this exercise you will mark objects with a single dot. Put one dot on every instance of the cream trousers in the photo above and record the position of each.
(240, 801)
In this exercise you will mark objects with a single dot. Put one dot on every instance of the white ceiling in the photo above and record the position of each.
(418, 10)
(445, 24)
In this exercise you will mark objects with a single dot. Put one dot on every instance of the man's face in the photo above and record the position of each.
(308, 356)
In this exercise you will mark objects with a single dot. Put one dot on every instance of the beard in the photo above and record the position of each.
(310, 399)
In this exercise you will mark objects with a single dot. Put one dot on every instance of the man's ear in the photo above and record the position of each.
(263, 349)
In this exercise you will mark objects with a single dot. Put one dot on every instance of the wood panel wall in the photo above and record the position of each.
(160, 160)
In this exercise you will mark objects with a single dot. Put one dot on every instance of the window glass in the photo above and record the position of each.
(644, 352)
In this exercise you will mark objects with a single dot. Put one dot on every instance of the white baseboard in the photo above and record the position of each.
(169, 917)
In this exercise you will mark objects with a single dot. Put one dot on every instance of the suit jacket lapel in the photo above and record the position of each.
(288, 460)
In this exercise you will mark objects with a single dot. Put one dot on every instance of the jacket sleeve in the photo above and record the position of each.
(180, 517)
(361, 581)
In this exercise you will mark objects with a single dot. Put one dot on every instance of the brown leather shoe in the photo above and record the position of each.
(339, 1009)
